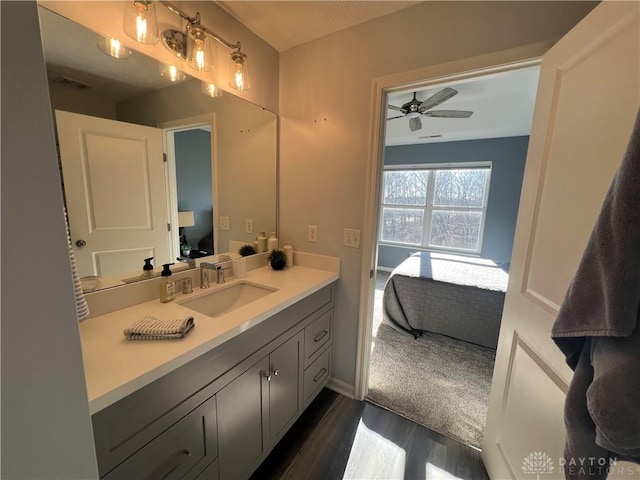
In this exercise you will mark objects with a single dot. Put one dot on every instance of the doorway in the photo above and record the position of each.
(438, 372)
(191, 185)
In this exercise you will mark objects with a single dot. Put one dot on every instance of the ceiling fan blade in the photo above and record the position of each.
(393, 118)
(438, 98)
(415, 124)
(448, 113)
(393, 107)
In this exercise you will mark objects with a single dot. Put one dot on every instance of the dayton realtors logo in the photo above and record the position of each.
(537, 463)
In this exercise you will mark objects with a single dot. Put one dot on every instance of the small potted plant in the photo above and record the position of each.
(246, 250)
(277, 259)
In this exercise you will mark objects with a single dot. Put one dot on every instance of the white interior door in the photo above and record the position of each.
(114, 181)
(588, 95)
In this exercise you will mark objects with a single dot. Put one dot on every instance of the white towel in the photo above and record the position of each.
(82, 309)
(152, 328)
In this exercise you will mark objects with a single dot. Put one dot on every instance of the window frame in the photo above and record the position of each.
(429, 207)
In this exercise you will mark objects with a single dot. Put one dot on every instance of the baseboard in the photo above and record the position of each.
(384, 269)
(341, 387)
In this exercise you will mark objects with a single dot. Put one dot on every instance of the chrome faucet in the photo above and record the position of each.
(204, 274)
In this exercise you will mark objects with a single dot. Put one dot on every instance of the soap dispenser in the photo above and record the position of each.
(147, 269)
(168, 285)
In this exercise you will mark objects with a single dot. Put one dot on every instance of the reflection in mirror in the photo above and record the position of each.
(115, 118)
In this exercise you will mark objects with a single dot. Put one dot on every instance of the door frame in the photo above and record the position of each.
(168, 131)
(497, 62)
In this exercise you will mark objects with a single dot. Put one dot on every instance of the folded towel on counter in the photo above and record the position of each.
(152, 328)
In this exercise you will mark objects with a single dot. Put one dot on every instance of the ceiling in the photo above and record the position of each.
(284, 25)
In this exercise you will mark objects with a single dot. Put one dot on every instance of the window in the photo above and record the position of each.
(437, 207)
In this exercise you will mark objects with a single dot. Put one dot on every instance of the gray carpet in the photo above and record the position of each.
(436, 381)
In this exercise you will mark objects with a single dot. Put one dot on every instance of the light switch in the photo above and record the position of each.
(224, 223)
(313, 233)
(351, 238)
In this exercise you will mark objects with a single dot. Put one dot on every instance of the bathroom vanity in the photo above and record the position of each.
(213, 404)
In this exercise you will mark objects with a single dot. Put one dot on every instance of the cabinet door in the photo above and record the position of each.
(285, 386)
(242, 417)
(182, 449)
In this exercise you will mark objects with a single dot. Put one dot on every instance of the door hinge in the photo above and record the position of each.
(164, 157)
(168, 227)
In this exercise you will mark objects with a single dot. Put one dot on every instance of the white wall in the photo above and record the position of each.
(323, 163)
(46, 429)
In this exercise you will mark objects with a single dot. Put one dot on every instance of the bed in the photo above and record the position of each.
(453, 295)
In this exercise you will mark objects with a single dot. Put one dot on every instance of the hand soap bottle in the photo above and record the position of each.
(147, 269)
(168, 285)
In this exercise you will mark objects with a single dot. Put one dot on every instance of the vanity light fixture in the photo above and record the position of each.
(171, 72)
(211, 90)
(239, 71)
(140, 21)
(194, 45)
(114, 48)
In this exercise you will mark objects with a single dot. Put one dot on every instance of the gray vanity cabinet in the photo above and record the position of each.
(179, 452)
(258, 407)
(220, 415)
(243, 422)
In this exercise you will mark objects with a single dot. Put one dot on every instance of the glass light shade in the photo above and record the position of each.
(114, 48)
(239, 71)
(211, 90)
(140, 21)
(171, 72)
(199, 51)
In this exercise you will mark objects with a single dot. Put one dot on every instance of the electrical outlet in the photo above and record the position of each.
(351, 238)
(248, 225)
(224, 223)
(313, 233)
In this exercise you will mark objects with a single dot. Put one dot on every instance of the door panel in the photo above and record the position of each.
(241, 423)
(115, 190)
(285, 400)
(588, 95)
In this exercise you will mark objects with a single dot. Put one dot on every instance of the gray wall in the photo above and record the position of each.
(46, 427)
(507, 156)
(194, 181)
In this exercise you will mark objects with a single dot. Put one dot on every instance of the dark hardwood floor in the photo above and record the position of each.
(337, 437)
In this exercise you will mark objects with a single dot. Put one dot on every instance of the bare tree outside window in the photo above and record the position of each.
(439, 208)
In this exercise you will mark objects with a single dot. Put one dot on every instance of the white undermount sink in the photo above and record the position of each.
(225, 299)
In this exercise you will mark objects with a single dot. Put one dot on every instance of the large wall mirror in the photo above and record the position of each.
(152, 167)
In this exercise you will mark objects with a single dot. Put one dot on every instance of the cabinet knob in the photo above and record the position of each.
(275, 372)
(267, 376)
(81, 243)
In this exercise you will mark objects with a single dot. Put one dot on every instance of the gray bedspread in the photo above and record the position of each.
(453, 295)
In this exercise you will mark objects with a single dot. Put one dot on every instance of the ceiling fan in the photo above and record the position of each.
(414, 108)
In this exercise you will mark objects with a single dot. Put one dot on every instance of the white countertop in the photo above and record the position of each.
(115, 367)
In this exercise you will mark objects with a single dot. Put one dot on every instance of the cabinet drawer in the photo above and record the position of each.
(190, 442)
(210, 473)
(317, 376)
(316, 336)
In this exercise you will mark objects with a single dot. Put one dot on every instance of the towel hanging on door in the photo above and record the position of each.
(598, 331)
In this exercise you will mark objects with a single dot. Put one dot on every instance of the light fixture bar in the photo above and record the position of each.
(194, 20)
